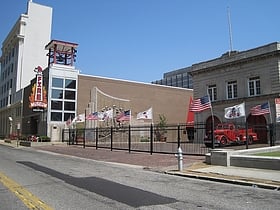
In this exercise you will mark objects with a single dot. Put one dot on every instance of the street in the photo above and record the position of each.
(62, 182)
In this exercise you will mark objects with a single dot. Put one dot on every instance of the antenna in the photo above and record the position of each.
(230, 33)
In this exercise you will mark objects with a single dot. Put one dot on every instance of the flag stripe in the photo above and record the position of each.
(260, 109)
(200, 104)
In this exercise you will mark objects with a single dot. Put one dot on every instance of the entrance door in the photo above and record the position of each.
(33, 126)
(259, 124)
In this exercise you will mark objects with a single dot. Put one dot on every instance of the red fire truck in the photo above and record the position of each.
(228, 133)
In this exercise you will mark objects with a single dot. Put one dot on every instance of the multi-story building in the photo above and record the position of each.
(178, 78)
(251, 77)
(22, 50)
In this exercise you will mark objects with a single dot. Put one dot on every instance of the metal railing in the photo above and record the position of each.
(166, 140)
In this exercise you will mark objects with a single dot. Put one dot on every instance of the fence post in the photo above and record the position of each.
(84, 139)
(212, 136)
(247, 137)
(111, 131)
(151, 139)
(178, 136)
(129, 139)
(271, 134)
(96, 137)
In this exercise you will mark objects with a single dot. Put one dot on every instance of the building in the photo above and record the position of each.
(250, 76)
(178, 78)
(22, 50)
(70, 94)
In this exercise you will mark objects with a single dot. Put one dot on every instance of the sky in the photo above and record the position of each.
(140, 40)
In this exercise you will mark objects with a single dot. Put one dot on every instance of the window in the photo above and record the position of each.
(56, 105)
(56, 116)
(254, 86)
(69, 106)
(71, 84)
(232, 90)
(57, 94)
(67, 116)
(63, 99)
(70, 95)
(212, 91)
(57, 82)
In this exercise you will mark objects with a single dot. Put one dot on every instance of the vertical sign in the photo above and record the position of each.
(38, 97)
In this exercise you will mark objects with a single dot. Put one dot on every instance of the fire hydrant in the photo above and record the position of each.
(179, 156)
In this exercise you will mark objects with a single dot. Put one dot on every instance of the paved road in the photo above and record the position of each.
(65, 182)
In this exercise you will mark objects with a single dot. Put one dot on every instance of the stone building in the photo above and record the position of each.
(251, 76)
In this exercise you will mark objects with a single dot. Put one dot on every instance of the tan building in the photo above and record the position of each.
(172, 102)
(70, 94)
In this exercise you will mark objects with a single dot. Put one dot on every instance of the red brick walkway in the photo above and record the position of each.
(158, 161)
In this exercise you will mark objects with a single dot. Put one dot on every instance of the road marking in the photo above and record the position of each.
(30, 200)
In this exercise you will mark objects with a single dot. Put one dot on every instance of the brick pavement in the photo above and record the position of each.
(155, 161)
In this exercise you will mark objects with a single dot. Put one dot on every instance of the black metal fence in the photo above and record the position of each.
(152, 140)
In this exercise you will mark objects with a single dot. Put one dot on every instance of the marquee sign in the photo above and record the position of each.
(38, 96)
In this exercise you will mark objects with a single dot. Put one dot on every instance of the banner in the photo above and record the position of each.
(146, 115)
(277, 108)
(235, 111)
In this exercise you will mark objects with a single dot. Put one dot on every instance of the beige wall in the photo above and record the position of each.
(171, 101)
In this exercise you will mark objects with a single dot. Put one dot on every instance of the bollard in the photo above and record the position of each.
(179, 156)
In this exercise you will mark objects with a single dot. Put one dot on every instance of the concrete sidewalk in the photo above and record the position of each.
(193, 166)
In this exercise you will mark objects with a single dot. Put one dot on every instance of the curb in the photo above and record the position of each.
(224, 180)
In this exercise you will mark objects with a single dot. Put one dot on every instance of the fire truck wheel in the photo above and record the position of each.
(223, 141)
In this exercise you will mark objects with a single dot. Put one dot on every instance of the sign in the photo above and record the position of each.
(277, 108)
(38, 96)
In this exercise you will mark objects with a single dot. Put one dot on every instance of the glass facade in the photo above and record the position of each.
(180, 78)
(63, 99)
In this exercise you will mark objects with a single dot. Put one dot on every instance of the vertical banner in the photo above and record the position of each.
(277, 108)
(38, 96)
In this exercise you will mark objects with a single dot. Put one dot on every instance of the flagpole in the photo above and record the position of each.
(213, 127)
(246, 126)
(269, 112)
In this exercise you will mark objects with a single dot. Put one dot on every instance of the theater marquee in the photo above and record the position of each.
(38, 96)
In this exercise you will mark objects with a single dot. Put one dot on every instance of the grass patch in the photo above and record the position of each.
(269, 154)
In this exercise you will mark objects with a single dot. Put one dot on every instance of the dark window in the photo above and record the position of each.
(70, 94)
(71, 84)
(56, 116)
(68, 116)
(56, 105)
(254, 86)
(69, 106)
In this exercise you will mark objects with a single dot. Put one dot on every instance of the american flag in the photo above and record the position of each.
(69, 121)
(260, 109)
(200, 104)
(124, 116)
(92, 116)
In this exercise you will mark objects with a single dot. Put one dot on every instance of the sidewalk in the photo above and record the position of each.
(193, 166)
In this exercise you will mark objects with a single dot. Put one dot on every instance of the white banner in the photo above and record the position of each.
(235, 111)
(277, 108)
(146, 115)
